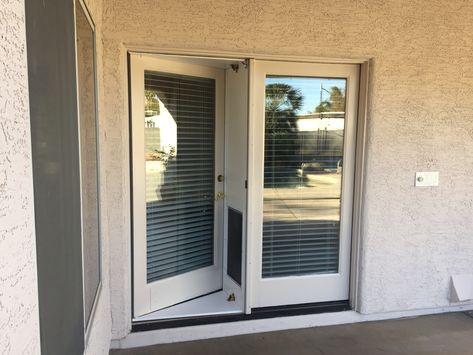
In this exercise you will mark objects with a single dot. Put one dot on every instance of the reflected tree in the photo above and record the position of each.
(151, 103)
(281, 136)
(282, 103)
(335, 103)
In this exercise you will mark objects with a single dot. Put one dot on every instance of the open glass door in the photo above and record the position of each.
(177, 135)
(302, 181)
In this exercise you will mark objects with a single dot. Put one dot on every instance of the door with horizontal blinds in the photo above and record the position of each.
(304, 126)
(177, 152)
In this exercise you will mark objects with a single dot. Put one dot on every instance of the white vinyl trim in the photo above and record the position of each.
(239, 55)
(251, 208)
(358, 191)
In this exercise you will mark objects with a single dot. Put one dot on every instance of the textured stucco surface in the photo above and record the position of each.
(19, 319)
(420, 118)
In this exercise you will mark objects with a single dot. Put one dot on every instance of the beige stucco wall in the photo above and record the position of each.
(19, 317)
(420, 118)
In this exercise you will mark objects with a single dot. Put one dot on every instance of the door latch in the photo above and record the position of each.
(219, 196)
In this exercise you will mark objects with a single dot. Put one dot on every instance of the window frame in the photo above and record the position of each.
(88, 323)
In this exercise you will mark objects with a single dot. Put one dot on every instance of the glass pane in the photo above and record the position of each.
(303, 161)
(179, 153)
(88, 157)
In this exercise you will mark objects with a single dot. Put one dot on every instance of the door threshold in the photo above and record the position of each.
(141, 325)
(213, 304)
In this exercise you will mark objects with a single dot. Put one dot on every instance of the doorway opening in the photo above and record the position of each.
(189, 118)
(243, 184)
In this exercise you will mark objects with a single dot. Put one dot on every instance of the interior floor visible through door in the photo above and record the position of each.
(213, 304)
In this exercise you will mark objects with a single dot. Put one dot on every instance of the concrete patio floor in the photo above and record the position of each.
(450, 333)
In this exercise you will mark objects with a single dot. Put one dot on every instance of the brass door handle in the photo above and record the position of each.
(219, 196)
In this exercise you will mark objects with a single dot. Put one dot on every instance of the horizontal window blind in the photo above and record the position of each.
(180, 145)
(302, 183)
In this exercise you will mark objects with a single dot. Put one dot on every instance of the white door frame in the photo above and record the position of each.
(129, 50)
(328, 287)
(152, 296)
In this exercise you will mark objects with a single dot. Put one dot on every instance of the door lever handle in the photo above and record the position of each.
(219, 196)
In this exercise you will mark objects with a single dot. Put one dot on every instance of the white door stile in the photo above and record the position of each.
(236, 119)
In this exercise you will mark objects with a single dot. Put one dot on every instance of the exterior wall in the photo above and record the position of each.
(117, 179)
(420, 112)
(98, 341)
(19, 319)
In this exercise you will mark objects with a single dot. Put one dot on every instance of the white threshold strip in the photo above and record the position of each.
(219, 330)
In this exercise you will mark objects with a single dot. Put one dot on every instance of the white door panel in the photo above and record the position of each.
(302, 139)
(176, 157)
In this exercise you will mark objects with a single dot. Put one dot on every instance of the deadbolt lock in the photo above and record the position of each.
(219, 196)
(220, 178)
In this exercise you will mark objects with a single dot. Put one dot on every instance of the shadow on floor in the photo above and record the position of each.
(450, 334)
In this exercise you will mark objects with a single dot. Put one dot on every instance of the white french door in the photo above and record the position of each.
(302, 134)
(177, 140)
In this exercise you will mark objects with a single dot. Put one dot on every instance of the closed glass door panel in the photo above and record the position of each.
(303, 168)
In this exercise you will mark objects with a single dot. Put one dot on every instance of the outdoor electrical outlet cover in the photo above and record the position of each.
(427, 178)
